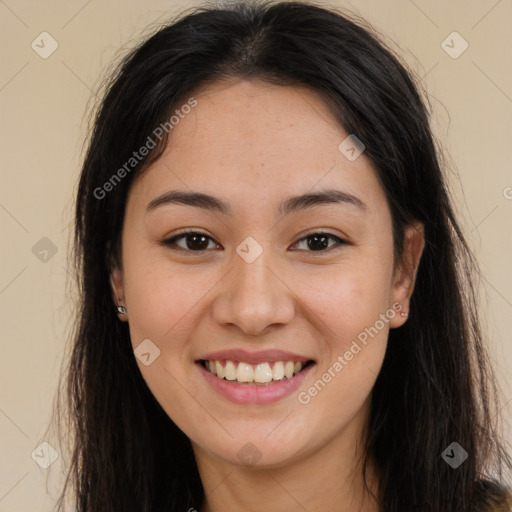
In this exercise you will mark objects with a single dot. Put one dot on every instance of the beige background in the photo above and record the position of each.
(43, 104)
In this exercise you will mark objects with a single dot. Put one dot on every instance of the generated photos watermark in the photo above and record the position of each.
(143, 151)
(356, 346)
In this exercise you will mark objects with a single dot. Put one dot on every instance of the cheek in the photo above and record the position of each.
(163, 307)
(354, 321)
(346, 297)
(349, 305)
(161, 298)
(341, 388)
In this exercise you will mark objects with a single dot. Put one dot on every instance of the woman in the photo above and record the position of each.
(262, 206)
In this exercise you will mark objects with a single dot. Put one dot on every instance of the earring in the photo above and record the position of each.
(121, 310)
(404, 314)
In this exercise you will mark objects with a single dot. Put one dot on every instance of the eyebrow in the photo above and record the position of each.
(290, 205)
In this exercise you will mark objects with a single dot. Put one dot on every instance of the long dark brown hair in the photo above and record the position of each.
(435, 386)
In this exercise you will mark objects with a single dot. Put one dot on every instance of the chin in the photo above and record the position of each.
(258, 451)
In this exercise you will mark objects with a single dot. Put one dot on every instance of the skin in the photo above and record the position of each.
(253, 144)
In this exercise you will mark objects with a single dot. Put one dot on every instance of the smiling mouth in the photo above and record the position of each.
(263, 374)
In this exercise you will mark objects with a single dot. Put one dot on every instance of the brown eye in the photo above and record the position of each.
(319, 242)
(194, 242)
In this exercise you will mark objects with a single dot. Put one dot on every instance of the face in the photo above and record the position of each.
(265, 285)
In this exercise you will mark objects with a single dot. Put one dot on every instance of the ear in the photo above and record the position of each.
(406, 269)
(117, 285)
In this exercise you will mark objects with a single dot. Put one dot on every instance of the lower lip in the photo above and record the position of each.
(254, 394)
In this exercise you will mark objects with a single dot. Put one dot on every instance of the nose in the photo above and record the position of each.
(254, 297)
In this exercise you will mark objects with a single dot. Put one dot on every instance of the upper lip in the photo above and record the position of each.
(262, 356)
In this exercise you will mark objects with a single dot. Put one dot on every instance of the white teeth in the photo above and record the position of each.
(278, 370)
(220, 369)
(261, 373)
(244, 373)
(230, 370)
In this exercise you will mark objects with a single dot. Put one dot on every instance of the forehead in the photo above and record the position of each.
(257, 139)
(258, 121)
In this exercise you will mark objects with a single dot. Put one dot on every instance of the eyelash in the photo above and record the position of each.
(170, 242)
